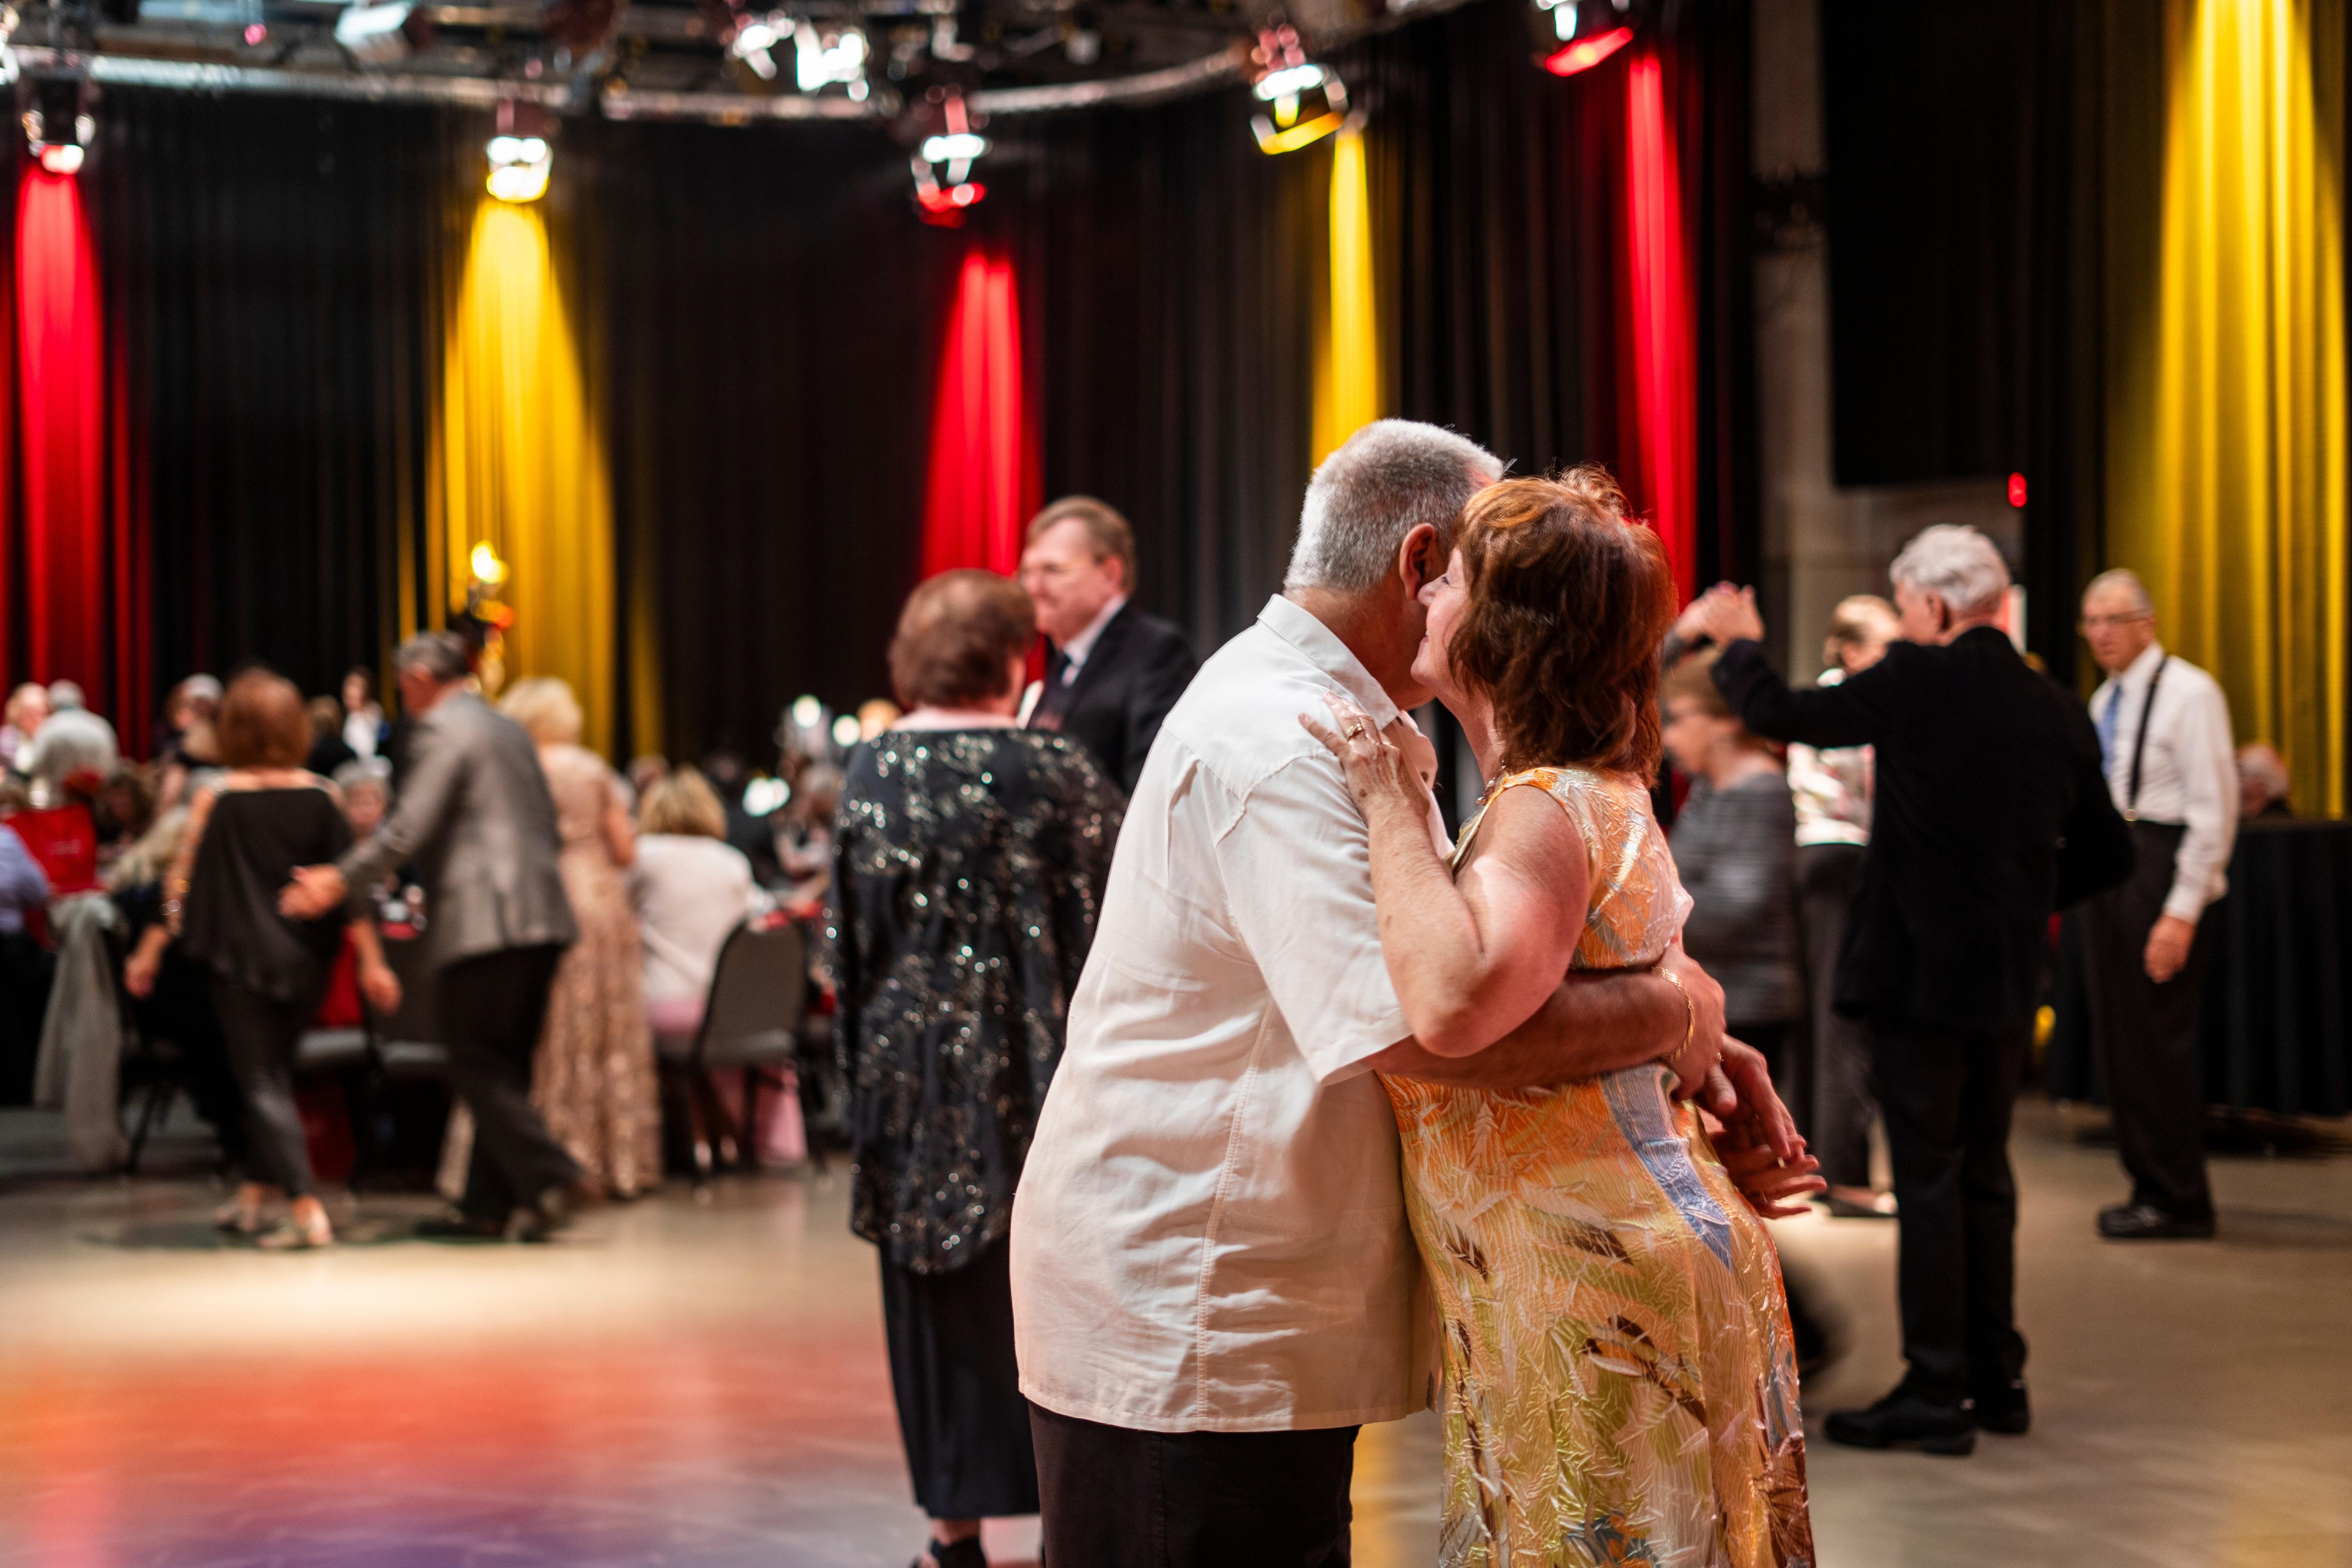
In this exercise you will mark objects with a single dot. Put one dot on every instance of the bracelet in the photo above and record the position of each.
(1690, 1015)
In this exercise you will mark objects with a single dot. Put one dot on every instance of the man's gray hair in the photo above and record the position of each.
(2125, 578)
(65, 697)
(441, 654)
(1955, 562)
(1383, 481)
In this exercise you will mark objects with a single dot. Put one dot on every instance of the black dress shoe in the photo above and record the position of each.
(2145, 1222)
(1905, 1417)
(540, 1221)
(460, 1225)
(965, 1553)
(2004, 1410)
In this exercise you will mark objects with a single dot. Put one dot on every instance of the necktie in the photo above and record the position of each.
(1057, 671)
(2107, 716)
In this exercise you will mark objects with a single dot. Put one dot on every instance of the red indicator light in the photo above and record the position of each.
(2017, 490)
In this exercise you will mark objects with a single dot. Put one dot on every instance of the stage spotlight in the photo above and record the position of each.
(1586, 32)
(944, 188)
(54, 108)
(845, 732)
(382, 35)
(520, 154)
(1305, 101)
(828, 56)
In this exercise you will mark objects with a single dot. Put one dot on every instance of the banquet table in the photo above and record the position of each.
(2276, 982)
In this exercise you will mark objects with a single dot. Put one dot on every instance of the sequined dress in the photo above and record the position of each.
(968, 874)
(1620, 1381)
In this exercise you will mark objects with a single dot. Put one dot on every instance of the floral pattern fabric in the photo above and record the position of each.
(1620, 1385)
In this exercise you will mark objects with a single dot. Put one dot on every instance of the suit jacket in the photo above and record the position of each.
(1992, 810)
(475, 819)
(1131, 677)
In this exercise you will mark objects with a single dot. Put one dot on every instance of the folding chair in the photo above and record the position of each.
(758, 990)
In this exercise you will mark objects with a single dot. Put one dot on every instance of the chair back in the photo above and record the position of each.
(409, 1041)
(63, 840)
(759, 991)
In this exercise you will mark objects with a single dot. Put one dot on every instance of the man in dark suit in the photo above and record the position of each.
(1116, 671)
(1992, 810)
(476, 822)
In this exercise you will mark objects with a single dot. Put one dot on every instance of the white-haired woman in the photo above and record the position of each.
(593, 1077)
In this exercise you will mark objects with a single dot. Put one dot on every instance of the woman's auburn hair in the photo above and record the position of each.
(261, 722)
(1569, 598)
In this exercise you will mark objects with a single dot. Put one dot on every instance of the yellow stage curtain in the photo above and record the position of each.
(521, 465)
(1347, 335)
(2226, 435)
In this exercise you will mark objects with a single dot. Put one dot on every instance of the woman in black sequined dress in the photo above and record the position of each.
(969, 862)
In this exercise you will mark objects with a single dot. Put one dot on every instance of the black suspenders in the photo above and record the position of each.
(2140, 745)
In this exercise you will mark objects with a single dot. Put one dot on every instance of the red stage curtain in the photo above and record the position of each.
(59, 390)
(985, 478)
(82, 600)
(1662, 460)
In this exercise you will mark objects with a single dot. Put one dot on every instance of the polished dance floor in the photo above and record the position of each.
(702, 1383)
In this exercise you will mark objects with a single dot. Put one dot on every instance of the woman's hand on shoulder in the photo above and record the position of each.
(1382, 769)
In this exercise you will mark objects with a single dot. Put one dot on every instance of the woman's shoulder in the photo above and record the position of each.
(1579, 788)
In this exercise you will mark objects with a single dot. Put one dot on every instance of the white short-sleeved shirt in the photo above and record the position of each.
(1210, 1233)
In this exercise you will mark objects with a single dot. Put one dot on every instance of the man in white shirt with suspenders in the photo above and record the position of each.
(2164, 727)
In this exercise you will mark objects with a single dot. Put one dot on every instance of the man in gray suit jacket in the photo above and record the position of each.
(476, 823)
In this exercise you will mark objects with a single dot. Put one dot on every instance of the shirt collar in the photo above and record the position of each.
(1078, 646)
(2137, 672)
(1297, 625)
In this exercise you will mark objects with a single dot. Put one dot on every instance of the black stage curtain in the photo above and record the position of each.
(271, 263)
(759, 314)
(1928, 112)
(768, 314)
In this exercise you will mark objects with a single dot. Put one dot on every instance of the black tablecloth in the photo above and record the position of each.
(2276, 999)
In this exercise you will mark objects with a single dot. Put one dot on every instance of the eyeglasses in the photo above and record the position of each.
(2090, 624)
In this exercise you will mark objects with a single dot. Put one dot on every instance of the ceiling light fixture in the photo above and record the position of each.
(944, 188)
(1305, 101)
(54, 109)
(522, 154)
(1583, 33)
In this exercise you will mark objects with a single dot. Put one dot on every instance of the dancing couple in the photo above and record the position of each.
(1322, 1066)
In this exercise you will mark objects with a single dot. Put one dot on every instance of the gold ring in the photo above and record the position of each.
(1354, 728)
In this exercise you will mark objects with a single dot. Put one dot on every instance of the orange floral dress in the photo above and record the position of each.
(1620, 1381)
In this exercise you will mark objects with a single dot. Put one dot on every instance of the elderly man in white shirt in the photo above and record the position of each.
(1213, 1282)
(2164, 727)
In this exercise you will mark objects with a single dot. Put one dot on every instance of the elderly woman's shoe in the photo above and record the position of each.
(297, 1233)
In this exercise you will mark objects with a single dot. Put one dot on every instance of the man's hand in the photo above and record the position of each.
(1756, 1137)
(1741, 1096)
(1729, 614)
(1774, 1187)
(1693, 1065)
(2168, 947)
(315, 890)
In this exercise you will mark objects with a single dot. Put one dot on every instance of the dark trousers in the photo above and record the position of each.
(2145, 1035)
(491, 1008)
(960, 1413)
(260, 1034)
(1120, 1498)
(1946, 1099)
(1840, 1103)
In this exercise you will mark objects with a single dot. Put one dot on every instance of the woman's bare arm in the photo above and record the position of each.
(1473, 957)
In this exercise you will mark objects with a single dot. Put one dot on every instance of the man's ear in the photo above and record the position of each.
(1417, 562)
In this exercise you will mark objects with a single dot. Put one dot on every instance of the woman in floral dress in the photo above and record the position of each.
(1619, 1381)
